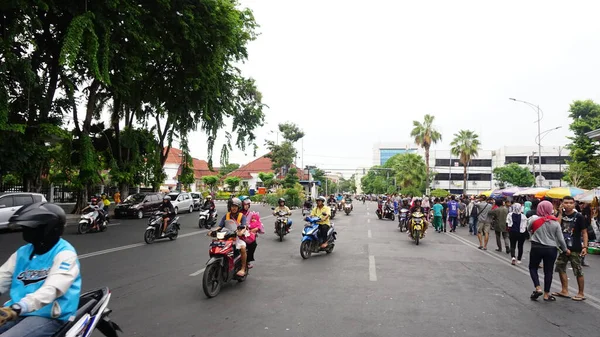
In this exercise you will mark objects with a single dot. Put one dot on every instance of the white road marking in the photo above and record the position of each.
(198, 272)
(368, 220)
(369, 234)
(135, 245)
(372, 269)
(523, 270)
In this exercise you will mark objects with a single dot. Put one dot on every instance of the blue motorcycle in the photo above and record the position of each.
(311, 242)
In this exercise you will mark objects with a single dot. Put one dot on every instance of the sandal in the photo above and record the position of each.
(550, 299)
(557, 294)
(535, 295)
(578, 298)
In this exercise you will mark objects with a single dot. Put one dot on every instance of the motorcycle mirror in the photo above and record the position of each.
(324, 213)
(273, 208)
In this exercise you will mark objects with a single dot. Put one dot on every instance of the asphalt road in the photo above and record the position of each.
(375, 283)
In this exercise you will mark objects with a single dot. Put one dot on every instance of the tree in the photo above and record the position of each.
(267, 179)
(376, 181)
(291, 178)
(409, 169)
(348, 185)
(225, 170)
(232, 183)
(211, 182)
(465, 145)
(583, 170)
(425, 135)
(513, 175)
(282, 155)
(439, 193)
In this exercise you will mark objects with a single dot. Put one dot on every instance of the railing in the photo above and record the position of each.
(66, 194)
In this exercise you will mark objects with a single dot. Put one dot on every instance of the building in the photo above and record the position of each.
(249, 173)
(384, 151)
(174, 164)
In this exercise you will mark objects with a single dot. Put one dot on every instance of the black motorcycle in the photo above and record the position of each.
(388, 213)
(333, 207)
(155, 224)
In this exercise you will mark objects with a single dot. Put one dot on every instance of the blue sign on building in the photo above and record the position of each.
(385, 154)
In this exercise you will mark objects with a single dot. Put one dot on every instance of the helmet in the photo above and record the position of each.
(42, 224)
(209, 196)
(281, 200)
(166, 197)
(237, 202)
(246, 201)
(243, 197)
(94, 200)
(321, 198)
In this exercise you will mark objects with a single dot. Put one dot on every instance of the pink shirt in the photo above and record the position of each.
(253, 219)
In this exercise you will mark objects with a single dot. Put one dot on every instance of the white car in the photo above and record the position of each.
(10, 202)
(182, 201)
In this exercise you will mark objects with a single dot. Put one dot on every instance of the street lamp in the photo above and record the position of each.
(539, 143)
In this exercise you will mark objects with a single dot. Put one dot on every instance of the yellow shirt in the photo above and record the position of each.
(283, 209)
(319, 212)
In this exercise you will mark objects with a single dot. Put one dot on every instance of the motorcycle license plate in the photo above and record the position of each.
(217, 244)
(418, 227)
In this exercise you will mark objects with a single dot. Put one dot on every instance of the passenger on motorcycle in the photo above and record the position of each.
(285, 210)
(168, 210)
(331, 200)
(98, 207)
(42, 277)
(324, 223)
(250, 239)
(417, 208)
(236, 215)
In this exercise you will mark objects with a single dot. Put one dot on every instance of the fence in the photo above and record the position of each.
(66, 194)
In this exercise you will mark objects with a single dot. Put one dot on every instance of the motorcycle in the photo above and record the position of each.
(205, 220)
(339, 206)
(281, 226)
(417, 219)
(403, 220)
(88, 221)
(388, 213)
(333, 208)
(310, 238)
(225, 261)
(91, 315)
(306, 210)
(347, 208)
(154, 229)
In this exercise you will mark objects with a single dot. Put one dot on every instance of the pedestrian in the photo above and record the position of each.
(516, 222)
(533, 210)
(462, 210)
(546, 236)
(472, 214)
(499, 217)
(483, 221)
(574, 231)
(453, 213)
(437, 215)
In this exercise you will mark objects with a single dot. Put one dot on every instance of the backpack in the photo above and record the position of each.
(474, 211)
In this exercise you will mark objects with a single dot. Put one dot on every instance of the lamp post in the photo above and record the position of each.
(539, 111)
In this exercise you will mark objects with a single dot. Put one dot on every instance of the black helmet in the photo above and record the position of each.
(42, 223)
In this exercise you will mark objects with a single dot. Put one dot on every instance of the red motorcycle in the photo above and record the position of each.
(225, 260)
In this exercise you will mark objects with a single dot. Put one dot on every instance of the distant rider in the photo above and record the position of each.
(417, 208)
(324, 224)
(168, 211)
(286, 211)
(98, 207)
(42, 277)
(209, 204)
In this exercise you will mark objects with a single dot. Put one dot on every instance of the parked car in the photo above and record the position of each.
(182, 201)
(198, 200)
(138, 205)
(10, 202)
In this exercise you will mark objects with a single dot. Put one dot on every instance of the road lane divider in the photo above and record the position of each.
(369, 234)
(372, 269)
(135, 245)
(591, 300)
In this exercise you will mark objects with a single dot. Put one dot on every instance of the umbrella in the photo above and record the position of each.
(531, 191)
(560, 192)
(509, 192)
(487, 193)
(587, 196)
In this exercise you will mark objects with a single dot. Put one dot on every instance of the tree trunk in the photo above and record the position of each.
(124, 189)
(427, 187)
(82, 197)
(465, 179)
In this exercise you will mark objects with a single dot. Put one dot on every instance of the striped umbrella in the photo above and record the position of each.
(531, 191)
(560, 192)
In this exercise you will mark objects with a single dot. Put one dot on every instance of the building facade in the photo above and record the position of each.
(384, 151)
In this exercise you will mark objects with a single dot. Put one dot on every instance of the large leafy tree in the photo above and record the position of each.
(465, 146)
(409, 169)
(425, 135)
(513, 175)
(211, 181)
(584, 169)
(232, 183)
(282, 155)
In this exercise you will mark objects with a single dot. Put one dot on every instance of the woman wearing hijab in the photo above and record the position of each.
(546, 236)
(516, 222)
(526, 207)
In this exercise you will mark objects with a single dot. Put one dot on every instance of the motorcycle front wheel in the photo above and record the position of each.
(417, 236)
(149, 236)
(211, 280)
(83, 227)
(305, 249)
(281, 232)
(104, 226)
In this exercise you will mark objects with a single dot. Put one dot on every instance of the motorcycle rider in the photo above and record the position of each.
(167, 208)
(285, 210)
(210, 205)
(42, 277)
(236, 215)
(348, 200)
(308, 204)
(417, 208)
(324, 224)
(331, 200)
(98, 207)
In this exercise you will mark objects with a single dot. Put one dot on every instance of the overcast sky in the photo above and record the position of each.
(352, 73)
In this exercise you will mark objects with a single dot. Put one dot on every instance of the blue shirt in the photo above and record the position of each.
(453, 208)
(437, 209)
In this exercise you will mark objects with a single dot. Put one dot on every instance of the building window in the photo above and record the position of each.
(555, 160)
(522, 160)
(457, 163)
(460, 176)
(553, 175)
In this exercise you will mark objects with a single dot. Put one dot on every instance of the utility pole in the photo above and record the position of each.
(560, 166)
(533, 165)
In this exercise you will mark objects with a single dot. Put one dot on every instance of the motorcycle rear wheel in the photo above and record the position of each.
(174, 235)
(306, 249)
(104, 226)
(149, 236)
(211, 280)
(201, 223)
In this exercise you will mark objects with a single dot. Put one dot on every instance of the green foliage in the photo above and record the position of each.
(10, 179)
(225, 170)
(583, 174)
(283, 155)
(513, 175)
(211, 181)
(348, 185)
(232, 183)
(410, 171)
(267, 179)
(222, 195)
(465, 145)
(439, 193)
(291, 132)
(425, 135)
(584, 169)
(291, 178)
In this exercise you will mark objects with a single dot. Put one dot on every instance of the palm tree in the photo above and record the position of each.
(465, 146)
(425, 135)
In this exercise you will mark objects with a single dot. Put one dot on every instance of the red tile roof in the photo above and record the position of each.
(200, 166)
(260, 164)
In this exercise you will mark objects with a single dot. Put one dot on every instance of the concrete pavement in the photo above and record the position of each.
(375, 283)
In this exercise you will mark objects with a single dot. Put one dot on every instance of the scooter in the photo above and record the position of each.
(88, 221)
(418, 227)
(205, 220)
(333, 208)
(154, 229)
(387, 214)
(403, 220)
(281, 224)
(225, 261)
(347, 208)
(91, 315)
(310, 238)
